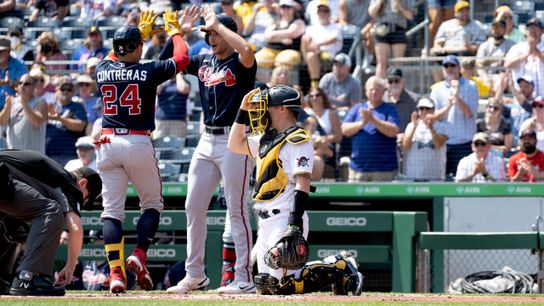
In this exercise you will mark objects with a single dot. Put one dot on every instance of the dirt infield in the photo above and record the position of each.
(387, 298)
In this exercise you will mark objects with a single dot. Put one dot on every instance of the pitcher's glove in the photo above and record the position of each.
(147, 19)
(171, 22)
(290, 252)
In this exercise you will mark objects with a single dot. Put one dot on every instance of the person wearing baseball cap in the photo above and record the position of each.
(497, 45)
(528, 164)
(460, 35)
(403, 99)
(456, 100)
(343, 90)
(93, 46)
(37, 191)
(11, 68)
(85, 149)
(505, 13)
(424, 140)
(524, 58)
(480, 166)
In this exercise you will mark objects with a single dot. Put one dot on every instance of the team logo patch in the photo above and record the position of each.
(303, 161)
(210, 77)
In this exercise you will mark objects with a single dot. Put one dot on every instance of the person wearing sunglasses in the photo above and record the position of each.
(528, 164)
(25, 116)
(536, 122)
(480, 166)
(67, 122)
(505, 13)
(405, 100)
(497, 127)
(424, 145)
(87, 94)
(456, 101)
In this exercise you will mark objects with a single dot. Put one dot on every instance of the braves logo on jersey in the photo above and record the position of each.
(209, 77)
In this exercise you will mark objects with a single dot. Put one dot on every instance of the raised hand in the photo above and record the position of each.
(211, 19)
(188, 18)
(147, 19)
(171, 23)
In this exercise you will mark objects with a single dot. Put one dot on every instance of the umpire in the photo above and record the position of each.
(35, 191)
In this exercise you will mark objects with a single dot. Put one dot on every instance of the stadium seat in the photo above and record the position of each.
(78, 33)
(8, 22)
(71, 44)
(44, 22)
(169, 143)
(61, 34)
(3, 144)
(115, 21)
(191, 141)
(193, 128)
(168, 171)
(177, 156)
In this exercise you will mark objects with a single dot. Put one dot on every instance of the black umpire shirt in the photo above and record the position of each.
(43, 174)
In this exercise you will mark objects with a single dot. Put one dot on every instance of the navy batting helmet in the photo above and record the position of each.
(227, 22)
(126, 39)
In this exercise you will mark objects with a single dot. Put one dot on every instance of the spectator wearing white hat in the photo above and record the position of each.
(424, 144)
(85, 149)
(90, 68)
(342, 89)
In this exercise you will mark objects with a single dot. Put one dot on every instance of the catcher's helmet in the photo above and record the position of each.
(279, 95)
(126, 39)
(227, 22)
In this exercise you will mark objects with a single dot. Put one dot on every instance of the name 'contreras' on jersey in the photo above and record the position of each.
(128, 92)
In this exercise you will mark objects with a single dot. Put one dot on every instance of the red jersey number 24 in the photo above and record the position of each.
(129, 98)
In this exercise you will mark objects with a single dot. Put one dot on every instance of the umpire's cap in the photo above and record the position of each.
(126, 39)
(227, 22)
(94, 185)
(282, 95)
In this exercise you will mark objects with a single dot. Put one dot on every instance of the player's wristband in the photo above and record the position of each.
(301, 202)
(242, 117)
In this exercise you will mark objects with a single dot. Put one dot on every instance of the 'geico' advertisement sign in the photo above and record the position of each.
(322, 253)
(346, 221)
(211, 220)
(165, 220)
(151, 253)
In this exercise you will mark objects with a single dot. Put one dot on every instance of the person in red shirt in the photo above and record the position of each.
(528, 164)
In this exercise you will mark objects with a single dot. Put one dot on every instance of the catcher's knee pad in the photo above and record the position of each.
(352, 279)
(321, 276)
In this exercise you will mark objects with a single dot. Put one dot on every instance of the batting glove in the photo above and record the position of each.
(171, 23)
(147, 19)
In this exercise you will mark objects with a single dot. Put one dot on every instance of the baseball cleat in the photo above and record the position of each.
(118, 283)
(136, 263)
(237, 287)
(189, 284)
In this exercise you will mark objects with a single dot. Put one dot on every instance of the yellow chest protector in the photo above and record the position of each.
(270, 180)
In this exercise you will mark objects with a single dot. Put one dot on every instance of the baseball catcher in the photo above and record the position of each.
(284, 154)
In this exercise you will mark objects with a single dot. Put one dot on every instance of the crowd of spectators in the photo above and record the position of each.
(386, 131)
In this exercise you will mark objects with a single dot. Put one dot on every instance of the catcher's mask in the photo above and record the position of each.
(279, 95)
(258, 113)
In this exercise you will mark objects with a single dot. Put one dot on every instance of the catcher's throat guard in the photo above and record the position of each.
(258, 112)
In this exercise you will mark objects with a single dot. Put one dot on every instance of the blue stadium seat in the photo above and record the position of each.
(71, 21)
(193, 128)
(3, 144)
(111, 21)
(45, 22)
(169, 172)
(191, 141)
(182, 156)
(169, 143)
(8, 22)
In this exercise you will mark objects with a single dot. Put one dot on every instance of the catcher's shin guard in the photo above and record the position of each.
(262, 282)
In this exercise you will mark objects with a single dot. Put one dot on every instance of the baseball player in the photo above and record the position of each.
(37, 191)
(225, 76)
(127, 89)
(284, 153)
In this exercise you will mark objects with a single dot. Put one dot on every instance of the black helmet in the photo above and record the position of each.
(126, 39)
(282, 95)
(227, 22)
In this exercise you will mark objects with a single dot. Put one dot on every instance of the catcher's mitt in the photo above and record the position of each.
(290, 252)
